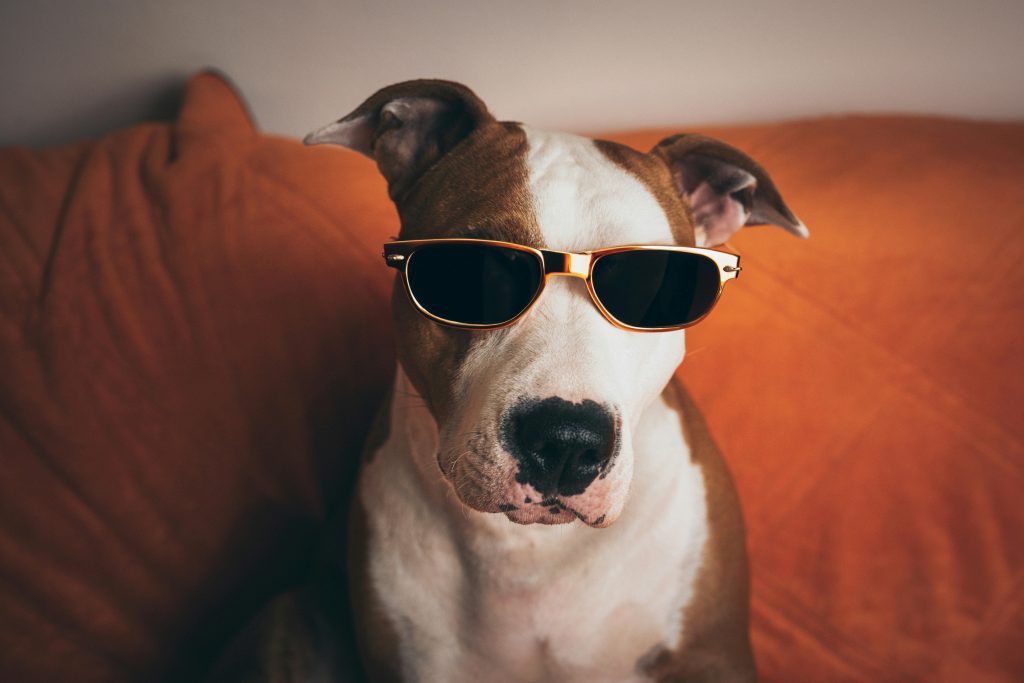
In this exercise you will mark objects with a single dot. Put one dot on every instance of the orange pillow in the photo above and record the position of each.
(865, 387)
(194, 332)
(193, 337)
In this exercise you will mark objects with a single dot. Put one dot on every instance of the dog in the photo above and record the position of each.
(541, 500)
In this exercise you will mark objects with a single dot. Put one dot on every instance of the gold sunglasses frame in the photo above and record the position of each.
(399, 253)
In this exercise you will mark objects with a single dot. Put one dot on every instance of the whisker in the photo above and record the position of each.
(699, 349)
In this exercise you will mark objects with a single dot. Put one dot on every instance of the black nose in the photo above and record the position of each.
(560, 446)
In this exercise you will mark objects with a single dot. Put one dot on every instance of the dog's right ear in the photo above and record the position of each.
(724, 188)
(407, 127)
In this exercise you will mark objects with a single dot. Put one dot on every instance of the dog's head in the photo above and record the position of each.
(536, 420)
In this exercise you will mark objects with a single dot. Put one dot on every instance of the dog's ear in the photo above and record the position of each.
(724, 188)
(407, 127)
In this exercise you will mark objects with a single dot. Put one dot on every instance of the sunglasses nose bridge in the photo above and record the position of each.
(567, 264)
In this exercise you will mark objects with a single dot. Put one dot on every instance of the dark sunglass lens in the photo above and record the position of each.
(474, 284)
(651, 288)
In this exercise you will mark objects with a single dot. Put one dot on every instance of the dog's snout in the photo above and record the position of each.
(560, 446)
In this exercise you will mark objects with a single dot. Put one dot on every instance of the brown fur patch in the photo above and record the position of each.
(715, 642)
(655, 174)
(480, 189)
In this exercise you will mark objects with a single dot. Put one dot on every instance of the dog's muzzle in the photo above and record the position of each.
(560, 447)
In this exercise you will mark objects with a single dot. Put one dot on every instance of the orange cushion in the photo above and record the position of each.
(865, 386)
(193, 333)
(193, 337)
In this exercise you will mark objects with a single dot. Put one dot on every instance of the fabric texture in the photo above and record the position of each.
(194, 333)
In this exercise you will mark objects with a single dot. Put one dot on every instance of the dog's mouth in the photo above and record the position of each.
(499, 490)
(550, 511)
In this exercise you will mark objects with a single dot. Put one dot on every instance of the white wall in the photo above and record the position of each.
(82, 67)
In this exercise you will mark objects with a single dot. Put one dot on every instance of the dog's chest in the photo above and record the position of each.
(589, 614)
(485, 599)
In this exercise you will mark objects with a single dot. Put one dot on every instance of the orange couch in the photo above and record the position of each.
(194, 332)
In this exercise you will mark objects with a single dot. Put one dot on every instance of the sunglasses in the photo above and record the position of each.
(486, 284)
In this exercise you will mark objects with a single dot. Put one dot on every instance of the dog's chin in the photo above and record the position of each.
(540, 515)
(541, 511)
(555, 514)
(496, 489)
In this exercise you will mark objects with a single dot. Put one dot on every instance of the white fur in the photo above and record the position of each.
(474, 596)
(585, 201)
(564, 347)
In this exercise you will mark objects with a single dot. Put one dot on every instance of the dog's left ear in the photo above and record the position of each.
(407, 127)
(724, 188)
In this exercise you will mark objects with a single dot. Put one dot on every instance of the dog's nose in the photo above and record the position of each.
(561, 446)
